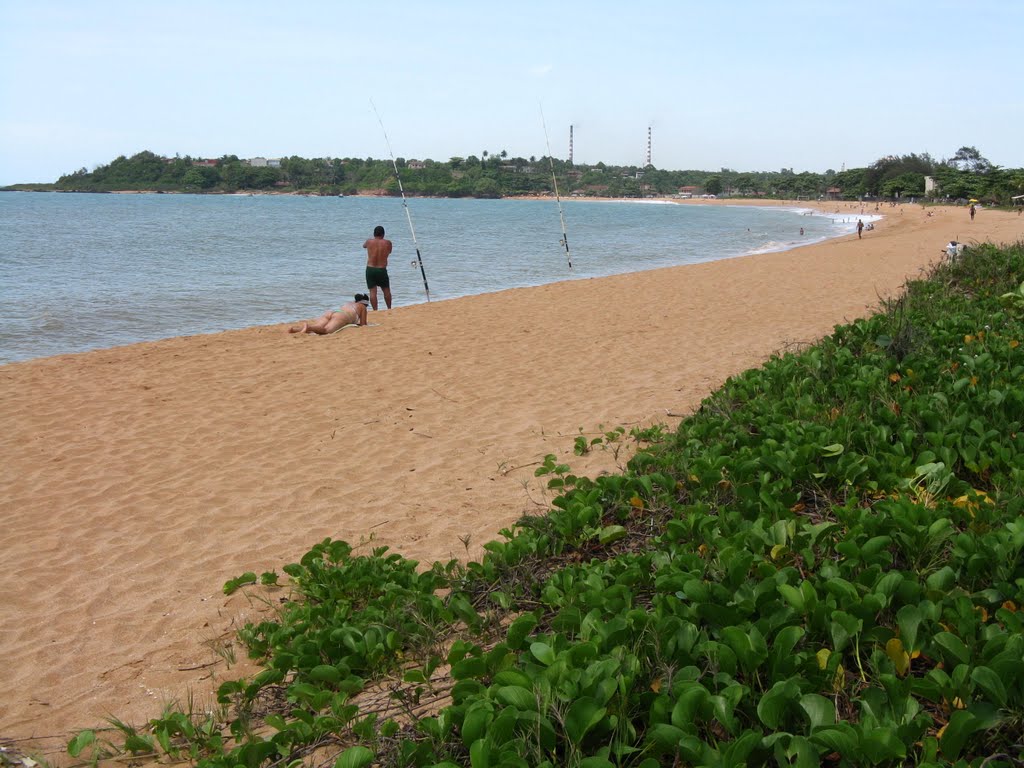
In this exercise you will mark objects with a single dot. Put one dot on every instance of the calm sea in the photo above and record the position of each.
(85, 271)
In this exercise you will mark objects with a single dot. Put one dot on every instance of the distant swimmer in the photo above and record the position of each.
(377, 251)
(351, 313)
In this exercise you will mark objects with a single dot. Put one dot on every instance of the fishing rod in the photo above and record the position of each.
(558, 199)
(405, 203)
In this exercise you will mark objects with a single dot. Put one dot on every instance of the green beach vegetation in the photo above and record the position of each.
(821, 566)
(966, 175)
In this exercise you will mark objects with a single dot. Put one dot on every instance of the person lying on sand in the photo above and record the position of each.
(351, 313)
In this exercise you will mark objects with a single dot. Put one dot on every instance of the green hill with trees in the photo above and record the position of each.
(966, 175)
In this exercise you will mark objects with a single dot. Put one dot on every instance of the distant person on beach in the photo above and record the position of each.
(377, 251)
(860, 228)
(973, 211)
(351, 313)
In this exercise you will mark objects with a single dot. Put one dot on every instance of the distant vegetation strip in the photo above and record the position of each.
(964, 176)
(822, 566)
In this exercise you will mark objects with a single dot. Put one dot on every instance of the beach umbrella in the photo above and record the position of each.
(972, 200)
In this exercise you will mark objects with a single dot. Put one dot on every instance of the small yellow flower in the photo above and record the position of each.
(968, 339)
(894, 377)
(1014, 344)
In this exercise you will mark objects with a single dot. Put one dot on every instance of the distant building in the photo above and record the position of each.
(263, 162)
(416, 165)
(930, 187)
(205, 163)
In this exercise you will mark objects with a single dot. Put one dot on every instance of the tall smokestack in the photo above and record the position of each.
(648, 146)
(570, 144)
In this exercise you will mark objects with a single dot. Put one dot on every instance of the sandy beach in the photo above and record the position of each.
(135, 481)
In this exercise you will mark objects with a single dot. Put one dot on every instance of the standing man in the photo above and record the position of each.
(377, 251)
(973, 209)
(860, 227)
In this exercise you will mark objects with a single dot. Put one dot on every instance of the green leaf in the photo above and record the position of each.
(839, 738)
(958, 730)
(473, 666)
(840, 635)
(520, 629)
(233, 585)
(724, 712)
(820, 711)
(325, 673)
(749, 646)
(909, 619)
(462, 608)
(988, 681)
(773, 705)
(665, 736)
(516, 696)
(882, 744)
(354, 757)
(543, 653)
(942, 580)
(138, 744)
(830, 451)
(611, 533)
(582, 715)
(82, 740)
(475, 724)
(688, 706)
(480, 754)
(953, 647)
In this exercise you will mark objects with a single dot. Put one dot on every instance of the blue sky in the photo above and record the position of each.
(749, 85)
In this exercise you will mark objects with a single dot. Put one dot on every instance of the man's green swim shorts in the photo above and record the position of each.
(377, 277)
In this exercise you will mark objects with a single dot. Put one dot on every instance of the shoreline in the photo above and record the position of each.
(822, 209)
(139, 479)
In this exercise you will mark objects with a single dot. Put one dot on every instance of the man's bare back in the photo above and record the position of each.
(377, 251)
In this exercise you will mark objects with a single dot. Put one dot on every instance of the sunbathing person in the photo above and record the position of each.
(351, 313)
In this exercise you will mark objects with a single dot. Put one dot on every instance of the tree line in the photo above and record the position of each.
(491, 175)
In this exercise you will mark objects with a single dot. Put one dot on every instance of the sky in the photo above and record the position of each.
(751, 85)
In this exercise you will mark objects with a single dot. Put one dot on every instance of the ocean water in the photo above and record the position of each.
(85, 271)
